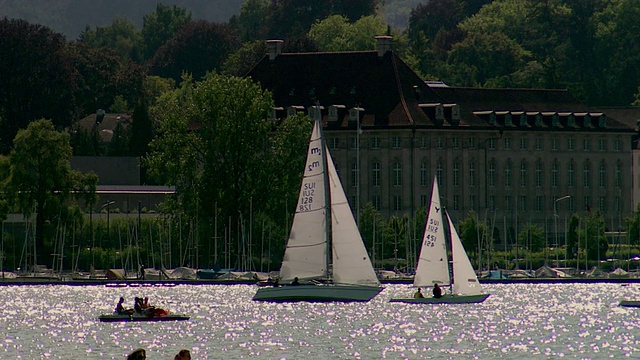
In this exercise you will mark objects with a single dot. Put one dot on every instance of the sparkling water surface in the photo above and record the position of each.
(518, 321)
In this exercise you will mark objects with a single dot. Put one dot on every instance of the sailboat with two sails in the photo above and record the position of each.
(434, 266)
(325, 254)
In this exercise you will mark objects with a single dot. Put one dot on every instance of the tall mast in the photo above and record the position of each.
(327, 196)
(447, 236)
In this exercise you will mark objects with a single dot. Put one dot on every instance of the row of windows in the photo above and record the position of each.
(395, 142)
(522, 176)
(509, 203)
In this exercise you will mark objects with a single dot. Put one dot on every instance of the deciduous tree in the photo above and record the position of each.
(196, 48)
(41, 181)
(122, 36)
(160, 26)
(335, 33)
(37, 78)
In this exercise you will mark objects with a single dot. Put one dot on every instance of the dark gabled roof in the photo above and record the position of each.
(393, 95)
(629, 116)
(478, 99)
(544, 101)
(106, 127)
(384, 86)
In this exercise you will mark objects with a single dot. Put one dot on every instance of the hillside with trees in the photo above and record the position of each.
(72, 17)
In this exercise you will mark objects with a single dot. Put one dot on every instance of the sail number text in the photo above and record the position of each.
(432, 227)
(306, 197)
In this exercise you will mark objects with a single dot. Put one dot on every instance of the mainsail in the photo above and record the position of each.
(306, 253)
(433, 264)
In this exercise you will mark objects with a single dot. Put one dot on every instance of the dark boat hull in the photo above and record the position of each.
(630, 303)
(447, 299)
(317, 293)
(134, 318)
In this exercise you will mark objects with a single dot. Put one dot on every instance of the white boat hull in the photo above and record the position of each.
(317, 293)
(447, 299)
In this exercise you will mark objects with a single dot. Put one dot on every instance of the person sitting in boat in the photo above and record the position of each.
(437, 291)
(145, 304)
(137, 305)
(138, 354)
(276, 283)
(418, 294)
(184, 354)
(120, 310)
(295, 281)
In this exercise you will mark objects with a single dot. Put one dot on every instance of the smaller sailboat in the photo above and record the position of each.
(433, 264)
(325, 258)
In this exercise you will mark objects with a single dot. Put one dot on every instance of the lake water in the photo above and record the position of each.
(518, 321)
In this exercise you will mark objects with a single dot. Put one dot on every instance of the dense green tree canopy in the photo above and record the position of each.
(122, 36)
(250, 23)
(40, 176)
(335, 33)
(196, 48)
(37, 78)
(241, 61)
(217, 145)
(212, 142)
(160, 26)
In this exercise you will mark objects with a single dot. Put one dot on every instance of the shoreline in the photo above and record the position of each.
(35, 281)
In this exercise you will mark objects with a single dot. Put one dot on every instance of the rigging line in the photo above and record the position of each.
(305, 246)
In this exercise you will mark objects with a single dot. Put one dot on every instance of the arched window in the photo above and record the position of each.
(440, 173)
(397, 174)
(570, 175)
(586, 174)
(375, 174)
(523, 174)
(424, 173)
(492, 173)
(602, 174)
(507, 174)
(539, 178)
(456, 173)
(472, 174)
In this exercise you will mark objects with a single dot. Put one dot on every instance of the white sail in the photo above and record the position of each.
(351, 263)
(465, 281)
(433, 264)
(306, 252)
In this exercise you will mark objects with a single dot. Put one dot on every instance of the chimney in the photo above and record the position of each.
(275, 48)
(384, 44)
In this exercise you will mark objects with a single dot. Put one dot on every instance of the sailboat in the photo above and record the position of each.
(433, 264)
(325, 254)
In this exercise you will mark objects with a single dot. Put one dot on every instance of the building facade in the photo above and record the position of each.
(511, 155)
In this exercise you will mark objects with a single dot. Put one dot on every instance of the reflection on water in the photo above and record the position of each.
(519, 321)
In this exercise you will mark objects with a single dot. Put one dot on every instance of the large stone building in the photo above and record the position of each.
(513, 155)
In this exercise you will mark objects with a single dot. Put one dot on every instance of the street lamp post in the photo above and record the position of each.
(358, 109)
(555, 219)
(106, 205)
